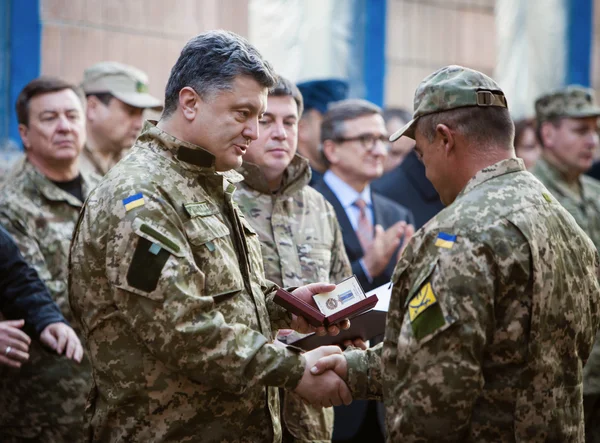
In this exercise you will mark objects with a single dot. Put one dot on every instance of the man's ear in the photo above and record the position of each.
(24, 133)
(331, 151)
(189, 102)
(548, 134)
(447, 138)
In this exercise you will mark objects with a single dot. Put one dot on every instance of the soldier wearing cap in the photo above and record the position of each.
(117, 96)
(318, 95)
(568, 131)
(495, 301)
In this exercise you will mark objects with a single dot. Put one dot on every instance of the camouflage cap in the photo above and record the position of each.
(128, 84)
(448, 88)
(572, 101)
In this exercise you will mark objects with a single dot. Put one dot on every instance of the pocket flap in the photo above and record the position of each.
(156, 234)
(203, 229)
(419, 280)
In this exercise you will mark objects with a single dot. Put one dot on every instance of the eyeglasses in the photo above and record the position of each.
(367, 141)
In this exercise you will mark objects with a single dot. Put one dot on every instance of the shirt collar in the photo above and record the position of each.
(497, 169)
(345, 193)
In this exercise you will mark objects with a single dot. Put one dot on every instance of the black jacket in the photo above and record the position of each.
(22, 294)
(408, 186)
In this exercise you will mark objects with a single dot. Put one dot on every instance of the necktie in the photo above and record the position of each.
(364, 230)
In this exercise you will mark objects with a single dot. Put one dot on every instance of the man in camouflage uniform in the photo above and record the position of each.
(495, 301)
(39, 206)
(117, 96)
(166, 274)
(568, 130)
(300, 237)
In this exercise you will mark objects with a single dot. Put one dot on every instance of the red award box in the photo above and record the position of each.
(316, 317)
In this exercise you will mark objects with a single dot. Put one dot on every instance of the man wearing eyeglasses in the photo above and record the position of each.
(355, 145)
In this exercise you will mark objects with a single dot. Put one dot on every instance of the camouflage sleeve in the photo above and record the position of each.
(443, 335)
(31, 252)
(364, 372)
(161, 292)
(340, 264)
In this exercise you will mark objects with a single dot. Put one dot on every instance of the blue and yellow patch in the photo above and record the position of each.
(134, 201)
(444, 240)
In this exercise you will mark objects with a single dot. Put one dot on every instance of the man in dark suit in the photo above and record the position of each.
(354, 142)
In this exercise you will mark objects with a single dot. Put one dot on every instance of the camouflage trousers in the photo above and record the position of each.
(591, 407)
(55, 434)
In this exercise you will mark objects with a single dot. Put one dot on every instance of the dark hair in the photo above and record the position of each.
(285, 88)
(399, 113)
(480, 124)
(332, 127)
(39, 86)
(210, 62)
(520, 127)
(103, 97)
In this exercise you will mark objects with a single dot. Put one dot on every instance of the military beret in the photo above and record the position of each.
(318, 94)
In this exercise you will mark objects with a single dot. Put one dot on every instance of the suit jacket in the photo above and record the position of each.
(408, 186)
(385, 213)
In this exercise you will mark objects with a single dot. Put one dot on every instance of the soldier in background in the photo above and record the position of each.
(318, 95)
(568, 131)
(495, 302)
(117, 96)
(166, 275)
(300, 237)
(39, 205)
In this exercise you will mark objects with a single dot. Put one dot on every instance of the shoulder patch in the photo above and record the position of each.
(146, 265)
(424, 312)
(444, 240)
(134, 201)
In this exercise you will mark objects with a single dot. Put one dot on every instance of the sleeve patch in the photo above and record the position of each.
(424, 312)
(146, 265)
(133, 201)
(444, 240)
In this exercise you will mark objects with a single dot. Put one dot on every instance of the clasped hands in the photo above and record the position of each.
(323, 383)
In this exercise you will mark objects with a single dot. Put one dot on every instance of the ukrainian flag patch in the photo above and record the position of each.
(444, 240)
(134, 201)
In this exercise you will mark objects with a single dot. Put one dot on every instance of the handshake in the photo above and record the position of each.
(323, 383)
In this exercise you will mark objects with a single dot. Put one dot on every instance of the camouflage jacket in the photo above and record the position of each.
(585, 209)
(301, 243)
(300, 236)
(167, 280)
(493, 313)
(92, 163)
(41, 217)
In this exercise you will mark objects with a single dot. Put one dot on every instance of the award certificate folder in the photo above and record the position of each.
(317, 318)
(367, 325)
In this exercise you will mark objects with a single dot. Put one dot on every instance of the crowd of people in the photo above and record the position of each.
(139, 259)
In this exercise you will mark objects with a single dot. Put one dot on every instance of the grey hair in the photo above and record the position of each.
(210, 62)
(333, 125)
(482, 125)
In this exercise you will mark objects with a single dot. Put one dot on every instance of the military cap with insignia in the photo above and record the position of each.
(128, 84)
(572, 101)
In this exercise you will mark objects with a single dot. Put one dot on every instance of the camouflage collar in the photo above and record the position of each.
(100, 164)
(507, 166)
(49, 190)
(553, 176)
(296, 176)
